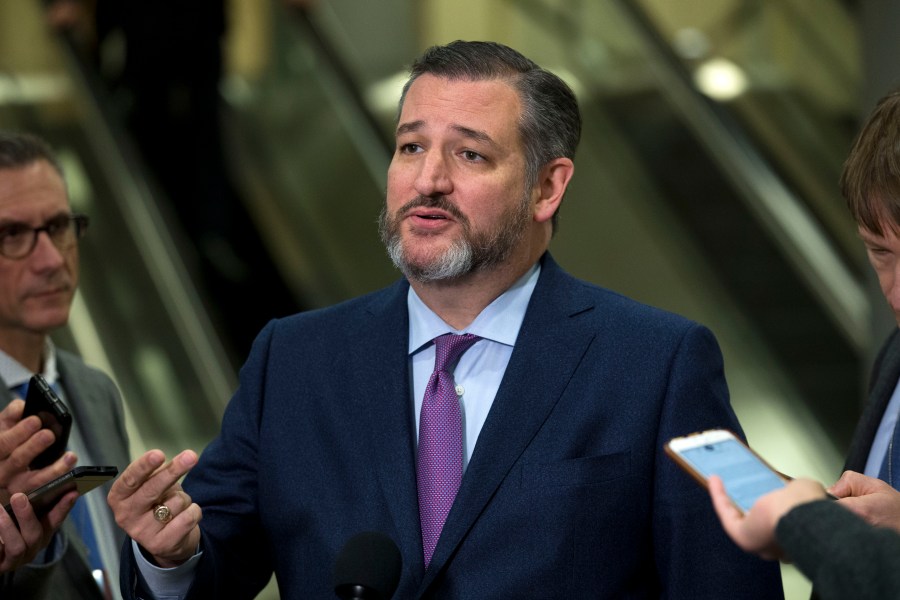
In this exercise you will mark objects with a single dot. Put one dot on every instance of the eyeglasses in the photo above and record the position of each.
(17, 240)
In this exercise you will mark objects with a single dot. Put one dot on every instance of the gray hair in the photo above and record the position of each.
(22, 149)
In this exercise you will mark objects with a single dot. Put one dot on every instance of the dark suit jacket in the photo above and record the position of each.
(568, 493)
(96, 406)
(885, 374)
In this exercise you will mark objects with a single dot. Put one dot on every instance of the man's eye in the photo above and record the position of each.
(409, 148)
(471, 155)
(14, 230)
(54, 225)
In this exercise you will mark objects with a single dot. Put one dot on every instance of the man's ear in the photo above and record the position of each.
(551, 185)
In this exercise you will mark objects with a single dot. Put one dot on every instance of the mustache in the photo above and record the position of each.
(58, 282)
(438, 202)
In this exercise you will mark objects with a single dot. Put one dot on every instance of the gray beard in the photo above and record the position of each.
(470, 253)
(456, 261)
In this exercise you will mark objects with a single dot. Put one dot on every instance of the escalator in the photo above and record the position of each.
(765, 205)
(724, 211)
(727, 212)
(757, 201)
(679, 201)
(138, 314)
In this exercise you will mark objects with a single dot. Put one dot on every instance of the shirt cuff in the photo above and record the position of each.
(166, 583)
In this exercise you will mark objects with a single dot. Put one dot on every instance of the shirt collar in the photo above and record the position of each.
(500, 321)
(14, 374)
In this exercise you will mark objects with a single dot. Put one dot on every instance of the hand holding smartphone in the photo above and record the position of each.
(82, 479)
(42, 401)
(720, 452)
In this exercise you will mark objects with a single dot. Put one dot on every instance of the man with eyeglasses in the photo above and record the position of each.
(71, 552)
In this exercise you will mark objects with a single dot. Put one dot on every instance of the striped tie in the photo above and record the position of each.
(80, 516)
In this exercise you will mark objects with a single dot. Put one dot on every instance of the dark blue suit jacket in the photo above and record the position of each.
(568, 493)
(885, 373)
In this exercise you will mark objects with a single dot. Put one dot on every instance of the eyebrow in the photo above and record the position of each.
(872, 239)
(467, 132)
(5, 222)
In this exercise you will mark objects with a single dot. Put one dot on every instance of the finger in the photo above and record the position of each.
(165, 510)
(851, 483)
(16, 435)
(60, 510)
(8, 529)
(728, 514)
(177, 541)
(841, 487)
(178, 504)
(164, 480)
(29, 480)
(149, 480)
(30, 447)
(134, 476)
(13, 545)
(57, 468)
(30, 526)
(11, 414)
(176, 500)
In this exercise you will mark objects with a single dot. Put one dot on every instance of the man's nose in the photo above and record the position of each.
(434, 176)
(45, 253)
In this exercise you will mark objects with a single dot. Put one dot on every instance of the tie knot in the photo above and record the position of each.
(448, 348)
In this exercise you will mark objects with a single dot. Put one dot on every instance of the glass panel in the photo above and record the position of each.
(137, 315)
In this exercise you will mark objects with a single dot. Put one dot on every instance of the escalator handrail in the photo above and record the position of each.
(792, 226)
(328, 55)
(150, 232)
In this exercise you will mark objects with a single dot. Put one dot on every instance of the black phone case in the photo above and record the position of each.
(42, 401)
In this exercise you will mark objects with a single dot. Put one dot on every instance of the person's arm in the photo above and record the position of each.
(841, 554)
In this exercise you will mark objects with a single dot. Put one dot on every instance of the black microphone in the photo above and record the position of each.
(367, 568)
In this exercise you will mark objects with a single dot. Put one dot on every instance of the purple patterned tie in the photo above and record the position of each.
(439, 469)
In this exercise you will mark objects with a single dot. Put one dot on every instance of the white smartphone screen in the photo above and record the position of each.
(745, 476)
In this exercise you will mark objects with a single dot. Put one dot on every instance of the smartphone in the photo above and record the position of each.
(83, 479)
(720, 452)
(42, 401)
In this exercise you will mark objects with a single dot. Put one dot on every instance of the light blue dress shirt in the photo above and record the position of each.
(883, 436)
(481, 367)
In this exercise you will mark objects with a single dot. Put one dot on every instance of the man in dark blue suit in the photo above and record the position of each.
(870, 183)
(563, 403)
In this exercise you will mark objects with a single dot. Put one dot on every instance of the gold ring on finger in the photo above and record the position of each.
(162, 513)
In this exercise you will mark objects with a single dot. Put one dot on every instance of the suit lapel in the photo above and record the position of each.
(882, 387)
(530, 389)
(5, 395)
(76, 394)
(388, 415)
